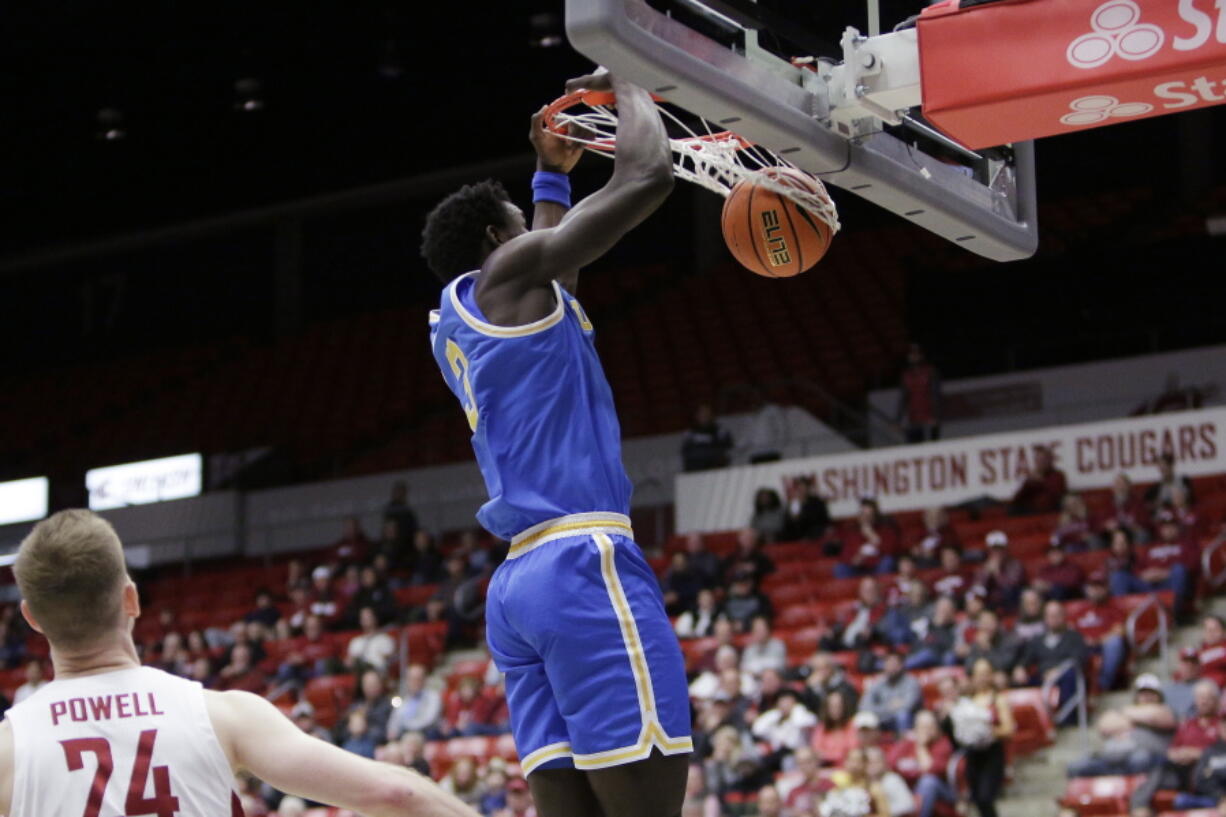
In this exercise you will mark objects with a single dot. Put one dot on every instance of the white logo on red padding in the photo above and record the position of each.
(1117, 32)
(1093, 110)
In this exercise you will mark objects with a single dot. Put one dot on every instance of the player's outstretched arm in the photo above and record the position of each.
(259, 739)
(6, 767)
(641, 181)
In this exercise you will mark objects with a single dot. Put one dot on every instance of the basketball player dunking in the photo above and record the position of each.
(110, 737)
(594, 676)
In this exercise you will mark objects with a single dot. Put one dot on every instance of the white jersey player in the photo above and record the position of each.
(110, 738)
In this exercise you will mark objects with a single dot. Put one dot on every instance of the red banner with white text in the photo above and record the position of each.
(1023, 69)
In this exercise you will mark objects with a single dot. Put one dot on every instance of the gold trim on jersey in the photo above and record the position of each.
(490, 329)
(653, 735)
(543, 755)
(577, 524)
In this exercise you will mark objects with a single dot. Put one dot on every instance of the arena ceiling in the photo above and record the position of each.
(122, 117)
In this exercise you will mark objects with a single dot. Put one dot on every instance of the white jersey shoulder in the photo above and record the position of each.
(119, 744)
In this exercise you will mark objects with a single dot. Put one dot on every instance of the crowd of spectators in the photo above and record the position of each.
(846, 733)
(796, 738)
(1173, 733)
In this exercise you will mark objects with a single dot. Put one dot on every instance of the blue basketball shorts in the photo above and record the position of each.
(594, 673)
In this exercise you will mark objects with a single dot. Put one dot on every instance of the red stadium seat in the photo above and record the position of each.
(802, 643)
(695, 649)
(1164, 799)
(804, 614)
(1035, 728)
(1100, 795)
(415, 595)
(474, 667)
(789, 594)
(1150, 617)
(330, 694)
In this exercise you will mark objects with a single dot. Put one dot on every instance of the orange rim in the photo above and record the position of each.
(595, 99)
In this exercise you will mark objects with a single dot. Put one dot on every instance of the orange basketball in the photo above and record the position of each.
(769, 233)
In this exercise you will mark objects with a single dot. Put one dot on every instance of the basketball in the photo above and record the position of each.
(769, 233)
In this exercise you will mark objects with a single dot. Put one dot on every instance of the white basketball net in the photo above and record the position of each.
(715, 160)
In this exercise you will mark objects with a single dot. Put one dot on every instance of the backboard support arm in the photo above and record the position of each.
(794, 112)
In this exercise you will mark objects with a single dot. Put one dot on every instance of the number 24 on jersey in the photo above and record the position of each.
(161, 804)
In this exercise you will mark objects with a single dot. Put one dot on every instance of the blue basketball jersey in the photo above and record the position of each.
(541, 411)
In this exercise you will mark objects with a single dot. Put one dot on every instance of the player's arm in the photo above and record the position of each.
(642, 178)
(555, 158)
(6, 767)
(259, 739)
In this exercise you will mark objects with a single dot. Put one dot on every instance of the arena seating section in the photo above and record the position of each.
(804, 594)
(362, 394)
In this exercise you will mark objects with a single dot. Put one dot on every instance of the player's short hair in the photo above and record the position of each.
(455, 228)
(71, 573)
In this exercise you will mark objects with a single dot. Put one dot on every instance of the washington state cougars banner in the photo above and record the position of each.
(944, 473)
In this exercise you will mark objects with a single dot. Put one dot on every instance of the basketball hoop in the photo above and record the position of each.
(712, 159)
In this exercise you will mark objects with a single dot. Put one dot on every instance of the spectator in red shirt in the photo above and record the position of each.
(919, 398)
(1002, 576)
(1044, 487)
(835, 735)
(1059, 578)
(1102, 626)
(922, 759)
(1212, 652)
(1128, 509)
(803, 788)
(1168, 563)
(325, 602)
(871, 546)
(490, 715)
(1194, 735)
(938, 533)
(953, 580)
(310, 655)
(353, 545)
(460, 707)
